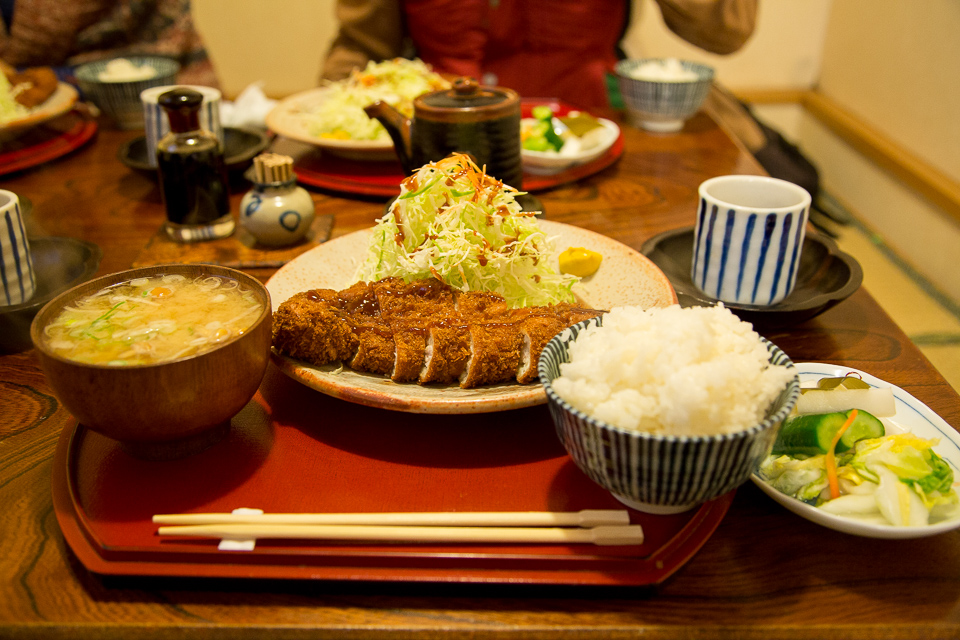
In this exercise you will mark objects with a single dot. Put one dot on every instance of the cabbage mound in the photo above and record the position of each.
(459, 225)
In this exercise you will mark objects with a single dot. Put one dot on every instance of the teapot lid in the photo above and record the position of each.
(467, 101)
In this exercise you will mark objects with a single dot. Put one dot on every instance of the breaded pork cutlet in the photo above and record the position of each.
(571, 314)
(424, 331)
(536, 330)
(410, 310)
(494, 353)
(447, 351)
(311, 326)
(494, 340)
(376, 350)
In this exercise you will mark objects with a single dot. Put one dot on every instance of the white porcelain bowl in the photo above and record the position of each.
(551, 162)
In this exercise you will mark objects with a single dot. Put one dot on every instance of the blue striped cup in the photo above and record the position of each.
(17, 278)
(748, 238)
(155, 121)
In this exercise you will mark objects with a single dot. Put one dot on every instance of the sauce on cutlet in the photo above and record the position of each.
(423, 330)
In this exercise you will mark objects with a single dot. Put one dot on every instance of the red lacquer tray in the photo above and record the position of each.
(294, 450)
(47, 141)
(382, 178)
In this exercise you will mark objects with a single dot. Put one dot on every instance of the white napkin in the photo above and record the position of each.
(250, 109)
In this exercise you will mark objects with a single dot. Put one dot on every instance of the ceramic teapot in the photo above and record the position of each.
(479, 120)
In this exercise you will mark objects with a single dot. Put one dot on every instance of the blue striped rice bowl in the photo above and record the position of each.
(749, 253)
(659, 473)
(17, 276)
(659, 105)
(120, 101)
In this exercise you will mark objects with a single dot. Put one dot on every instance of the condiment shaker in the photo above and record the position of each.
(193, 175)
(276, 211)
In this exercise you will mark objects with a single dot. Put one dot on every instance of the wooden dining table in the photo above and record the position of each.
(763, 573)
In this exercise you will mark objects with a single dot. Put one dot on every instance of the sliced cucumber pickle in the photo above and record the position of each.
(865, 426)
(812, 434)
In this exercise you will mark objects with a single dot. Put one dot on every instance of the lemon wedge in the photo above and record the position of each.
(580, 262)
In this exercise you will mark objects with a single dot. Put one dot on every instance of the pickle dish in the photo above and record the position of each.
(911, 417)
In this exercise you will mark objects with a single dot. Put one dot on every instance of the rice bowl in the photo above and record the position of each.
(671, 371)
(663, 472)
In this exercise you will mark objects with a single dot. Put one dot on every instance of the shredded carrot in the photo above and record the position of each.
(831, 460)
(160, 292)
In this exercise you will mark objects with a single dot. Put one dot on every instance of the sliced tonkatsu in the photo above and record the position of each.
(423, 331)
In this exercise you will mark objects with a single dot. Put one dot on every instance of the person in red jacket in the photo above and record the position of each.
(540, 48)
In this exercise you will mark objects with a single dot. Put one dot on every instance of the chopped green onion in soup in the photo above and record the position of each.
(152, 320)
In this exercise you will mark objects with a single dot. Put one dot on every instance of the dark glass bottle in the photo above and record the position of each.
(193, 176)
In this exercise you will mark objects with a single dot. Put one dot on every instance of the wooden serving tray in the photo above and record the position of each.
(295, 450)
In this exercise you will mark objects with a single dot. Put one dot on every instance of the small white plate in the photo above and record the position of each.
(550, 162)
(913, 416)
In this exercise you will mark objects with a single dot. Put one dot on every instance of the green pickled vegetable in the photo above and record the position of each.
(811, 435)
(542, 136)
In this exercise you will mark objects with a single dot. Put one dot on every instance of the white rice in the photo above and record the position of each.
(667, 70)
(672, 371)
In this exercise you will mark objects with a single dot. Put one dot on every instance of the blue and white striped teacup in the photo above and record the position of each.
(155, 121)
(748, 238)
(17, 279)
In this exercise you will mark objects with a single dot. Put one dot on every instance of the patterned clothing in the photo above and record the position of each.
(69, 32)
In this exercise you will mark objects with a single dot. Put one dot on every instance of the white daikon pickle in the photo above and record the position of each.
(842, 394)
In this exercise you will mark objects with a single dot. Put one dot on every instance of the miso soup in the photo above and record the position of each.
(152, 320)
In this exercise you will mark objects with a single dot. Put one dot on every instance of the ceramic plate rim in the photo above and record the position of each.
(917, 414)
(379, 391)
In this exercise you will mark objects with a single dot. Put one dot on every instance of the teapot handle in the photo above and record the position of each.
(398, 126)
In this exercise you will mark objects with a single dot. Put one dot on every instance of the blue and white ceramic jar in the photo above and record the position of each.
(276, 212)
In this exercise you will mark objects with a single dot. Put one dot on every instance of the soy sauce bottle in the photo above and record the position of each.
(193, 176)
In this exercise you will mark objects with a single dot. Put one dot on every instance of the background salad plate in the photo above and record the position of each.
(60, 101)
(912, 416)
(625, 277)
(291, 119)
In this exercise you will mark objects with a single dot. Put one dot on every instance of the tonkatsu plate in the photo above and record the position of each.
(445, 304)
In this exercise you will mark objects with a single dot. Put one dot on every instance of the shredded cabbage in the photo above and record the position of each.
(10, 109)
(897, 476)
(459, 225)
(396, 82)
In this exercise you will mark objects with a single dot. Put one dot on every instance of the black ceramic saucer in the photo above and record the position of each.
(826, 277)
(59, 264)
(239, 148)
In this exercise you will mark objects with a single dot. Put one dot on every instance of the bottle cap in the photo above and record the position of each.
(182, 106)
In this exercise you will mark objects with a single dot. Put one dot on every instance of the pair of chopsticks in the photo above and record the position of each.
(590, 526)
